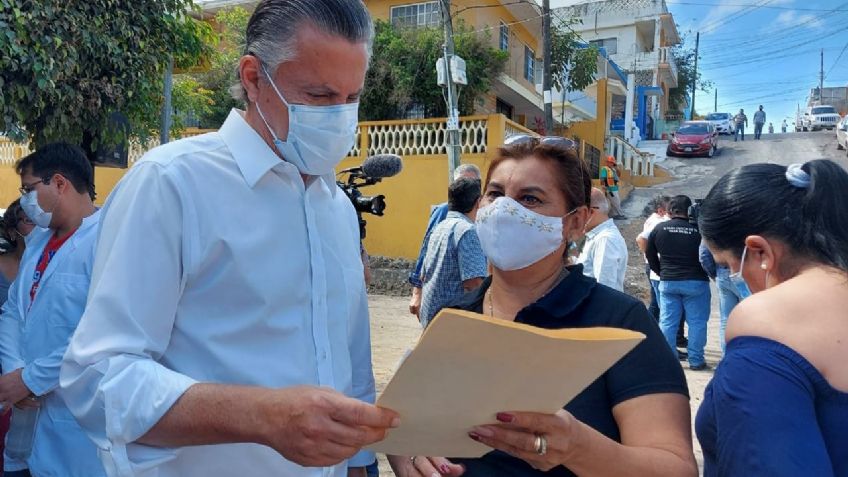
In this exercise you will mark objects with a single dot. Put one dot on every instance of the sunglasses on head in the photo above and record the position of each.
(556, 141)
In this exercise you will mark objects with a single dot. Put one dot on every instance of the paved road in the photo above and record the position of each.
(394, 330)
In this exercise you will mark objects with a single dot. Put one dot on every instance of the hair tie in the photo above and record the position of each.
(797, 177)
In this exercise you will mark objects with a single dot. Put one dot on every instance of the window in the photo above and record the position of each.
(502, 107)
(504, 37)
(609, 44)
(425, 14)
(529, 64)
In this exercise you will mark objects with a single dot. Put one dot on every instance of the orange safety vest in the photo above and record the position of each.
(612, 177)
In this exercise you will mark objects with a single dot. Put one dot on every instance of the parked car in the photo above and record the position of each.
(722, 122)
(842, 133)
(819, 117)
(694, 138)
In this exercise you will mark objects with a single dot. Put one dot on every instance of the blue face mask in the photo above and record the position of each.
(319, 136)
(736, 277)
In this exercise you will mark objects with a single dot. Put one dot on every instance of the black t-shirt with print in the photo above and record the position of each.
(580, 302)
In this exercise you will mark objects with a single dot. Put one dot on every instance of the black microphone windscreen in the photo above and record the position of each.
(382, 165)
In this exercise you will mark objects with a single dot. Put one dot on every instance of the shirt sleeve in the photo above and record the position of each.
(778, 436)
(707, 260)
(651, 253)
(10, 331)
(472, 261)
(650, 368)
(111, 379)
(436, 216)
(606, 262)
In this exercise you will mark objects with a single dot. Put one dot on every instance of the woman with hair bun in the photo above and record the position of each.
(778, 403)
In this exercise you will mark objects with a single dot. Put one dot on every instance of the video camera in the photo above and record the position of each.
(371, 172)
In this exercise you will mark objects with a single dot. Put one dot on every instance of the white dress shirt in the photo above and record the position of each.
(604, 255)
(216, 264)
(652, 221)
(34, 335)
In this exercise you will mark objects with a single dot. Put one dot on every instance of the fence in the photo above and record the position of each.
(631, 159)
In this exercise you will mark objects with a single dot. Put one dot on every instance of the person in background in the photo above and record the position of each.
(634, 419)
(222, 352)
(783, 126)
(45, 305)
(771, 128)
(16, 227)
(610, 176)
(672, 252)
(659, 214)
(454, 263)
(741, 121)
(604, 254)
(437, 214)
(778, 403)
(759, 121)
(729, 292)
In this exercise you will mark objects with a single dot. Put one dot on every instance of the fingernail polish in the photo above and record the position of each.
(474, 436)
(505, 417)
(483, 432)
(444, 469)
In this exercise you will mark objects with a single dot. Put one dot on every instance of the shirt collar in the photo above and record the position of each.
(252, 154)
(600, 228)
(458, 215)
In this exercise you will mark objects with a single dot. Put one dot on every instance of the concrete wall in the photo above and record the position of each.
(594, 132)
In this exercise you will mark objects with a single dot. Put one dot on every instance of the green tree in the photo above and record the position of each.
(66, 66)
(686, 77)
(206, 94)
(571, 59)
(402, 75)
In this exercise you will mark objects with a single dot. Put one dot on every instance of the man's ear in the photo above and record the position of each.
(250, 74)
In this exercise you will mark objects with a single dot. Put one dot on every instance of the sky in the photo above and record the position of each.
(763, 52)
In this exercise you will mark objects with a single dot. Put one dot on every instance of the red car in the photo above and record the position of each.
(694, 138)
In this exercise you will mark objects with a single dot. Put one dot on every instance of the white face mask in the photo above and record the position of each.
(319, 136)
(514, 237)
(29, 202)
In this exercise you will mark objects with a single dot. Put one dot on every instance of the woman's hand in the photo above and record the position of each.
(517, 435)
(424, 466)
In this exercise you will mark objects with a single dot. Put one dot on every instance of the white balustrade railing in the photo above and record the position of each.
(631, 159)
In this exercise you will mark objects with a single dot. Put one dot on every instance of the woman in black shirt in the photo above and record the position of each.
(634, 419)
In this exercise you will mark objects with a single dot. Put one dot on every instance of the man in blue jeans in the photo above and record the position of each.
(672, 253)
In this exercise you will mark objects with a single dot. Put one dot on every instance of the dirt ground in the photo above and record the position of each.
(394, 330)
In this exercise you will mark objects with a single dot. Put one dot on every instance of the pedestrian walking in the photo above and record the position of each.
(672, 251)
(741, 121)
(783, 126)
(759, 121)
(240, 347)
(610, 177)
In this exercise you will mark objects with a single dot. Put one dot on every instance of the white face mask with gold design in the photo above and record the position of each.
(514, 237)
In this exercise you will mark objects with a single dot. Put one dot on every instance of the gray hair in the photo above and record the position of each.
(464, 169)
(272, 29)
(600, 201)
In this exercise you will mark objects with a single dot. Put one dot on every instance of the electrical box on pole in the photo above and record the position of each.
(457, 71)
(454, 74)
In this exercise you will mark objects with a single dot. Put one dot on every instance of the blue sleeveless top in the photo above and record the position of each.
(768, 411)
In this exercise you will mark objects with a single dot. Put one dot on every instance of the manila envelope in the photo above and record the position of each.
(467, 367)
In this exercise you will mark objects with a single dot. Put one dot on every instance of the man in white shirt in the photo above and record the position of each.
(240, 346)
(659, 215)
(604, 255)
(44, 306)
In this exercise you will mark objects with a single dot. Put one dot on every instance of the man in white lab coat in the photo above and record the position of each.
(45, 304)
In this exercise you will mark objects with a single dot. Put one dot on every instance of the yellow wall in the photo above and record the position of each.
(105, 179)
(594, 132)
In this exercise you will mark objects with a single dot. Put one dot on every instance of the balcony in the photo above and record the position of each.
(667, 60)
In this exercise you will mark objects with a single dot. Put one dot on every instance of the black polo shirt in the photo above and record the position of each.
(580, 302)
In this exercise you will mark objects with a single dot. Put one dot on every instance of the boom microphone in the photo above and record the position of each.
(382, 165)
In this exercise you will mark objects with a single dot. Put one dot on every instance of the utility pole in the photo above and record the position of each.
(821, 78)
(695, 78)
(715, 101)
(453, 146)
(546, 64)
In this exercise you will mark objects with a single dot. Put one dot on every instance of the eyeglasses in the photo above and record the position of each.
(556, 141)
(27, 188)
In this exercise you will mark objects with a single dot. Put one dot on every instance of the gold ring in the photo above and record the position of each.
(540, 445)
(412, 460)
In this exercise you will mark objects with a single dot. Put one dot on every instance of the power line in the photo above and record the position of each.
(773, 7)
(837, 60)
(714, 25)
